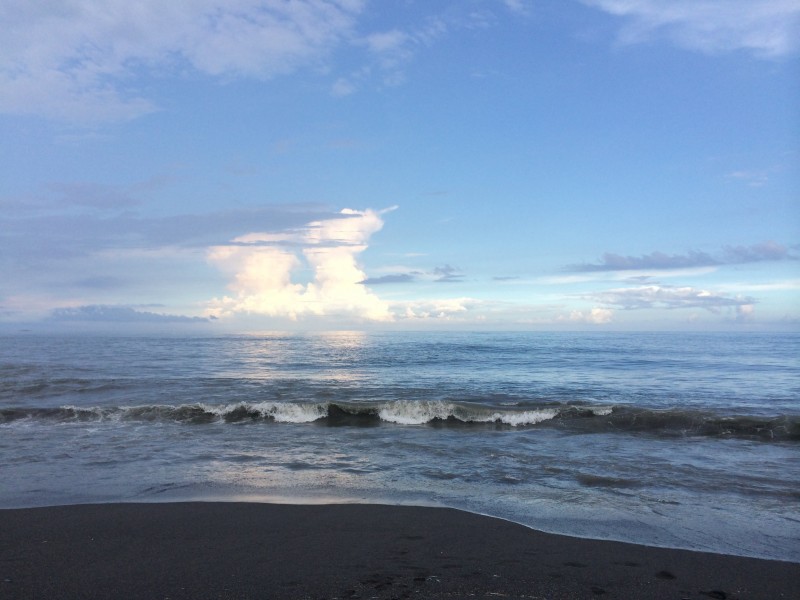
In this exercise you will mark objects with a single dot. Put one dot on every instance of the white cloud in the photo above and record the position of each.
(752, 178)
(790, 284)
(390, 51)
(745, 313)
(517, 6)
(387, 41)
(655, 296)
(85, 61)
(443, 309)
(75, 59)
(262, 265)
(595, 316)
(342, 87)
(769, 28)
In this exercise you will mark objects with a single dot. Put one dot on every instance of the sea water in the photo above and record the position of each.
(667, 439)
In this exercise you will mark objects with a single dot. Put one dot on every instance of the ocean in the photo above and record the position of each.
(683, 440)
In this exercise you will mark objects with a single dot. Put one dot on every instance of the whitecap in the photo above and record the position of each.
(528, 417)
(406, 412)
(292, 412)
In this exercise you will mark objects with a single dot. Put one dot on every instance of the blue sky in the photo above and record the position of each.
(241, 165)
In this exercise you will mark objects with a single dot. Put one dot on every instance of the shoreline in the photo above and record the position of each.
(205, 550)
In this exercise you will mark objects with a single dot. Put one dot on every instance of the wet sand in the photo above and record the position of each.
(235, 551)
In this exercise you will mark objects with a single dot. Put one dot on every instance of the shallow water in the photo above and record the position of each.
(681, 440)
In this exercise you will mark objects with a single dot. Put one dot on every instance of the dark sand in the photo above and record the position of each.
(231, 550)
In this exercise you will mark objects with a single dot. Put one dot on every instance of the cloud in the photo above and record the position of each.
(517, 6)
(392, 278)
(389, 52)
(87, 62)
(78, 60)
(447, 274)
(92, 195)
(790, 284)
(752, 178)
(669, 297)
(387, 41)
(343, 87)
(745, 313)
(65, 196)
(100, 282)
(118, 314)
(731, 255)
(595, 316)
(654, 260)
(42, 227)
(767, 28)
(767, 251)
(442, 309)
(262, 266)
(49, 253)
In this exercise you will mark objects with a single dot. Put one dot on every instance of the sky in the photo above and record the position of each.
(248, 165)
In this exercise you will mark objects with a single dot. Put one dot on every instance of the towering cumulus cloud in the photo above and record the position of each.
(262, 265)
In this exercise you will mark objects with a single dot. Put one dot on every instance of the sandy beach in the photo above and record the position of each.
(236, 550)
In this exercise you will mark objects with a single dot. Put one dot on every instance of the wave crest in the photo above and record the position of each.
(578, 418)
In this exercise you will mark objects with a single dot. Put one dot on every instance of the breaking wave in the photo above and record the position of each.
(577, 418)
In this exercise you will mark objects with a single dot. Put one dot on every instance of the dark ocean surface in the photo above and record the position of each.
(667, 439)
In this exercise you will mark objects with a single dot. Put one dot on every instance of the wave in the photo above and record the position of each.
(576, 418)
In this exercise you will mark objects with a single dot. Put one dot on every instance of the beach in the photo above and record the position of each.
(230, 550)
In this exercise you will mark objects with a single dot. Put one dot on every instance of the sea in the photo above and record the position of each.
(680, 440)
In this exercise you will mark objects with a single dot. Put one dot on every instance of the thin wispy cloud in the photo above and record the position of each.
(752, 178)
(64, 196)
(55, 235)
(522, 7)
(87, 62)
(77, 60)
(392, 278)
(388, 53)
(792, 285)
(730, 255)
(654, 260)
(767, 28)
(668, 297)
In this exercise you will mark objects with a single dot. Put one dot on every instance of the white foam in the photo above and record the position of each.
(424, 411)
(282, 412)
(222, 410)
(94, 413)
(292, 412)
(528, 417)
(602, 411)
(406, 412)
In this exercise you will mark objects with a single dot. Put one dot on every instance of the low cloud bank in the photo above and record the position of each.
(118, 314)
